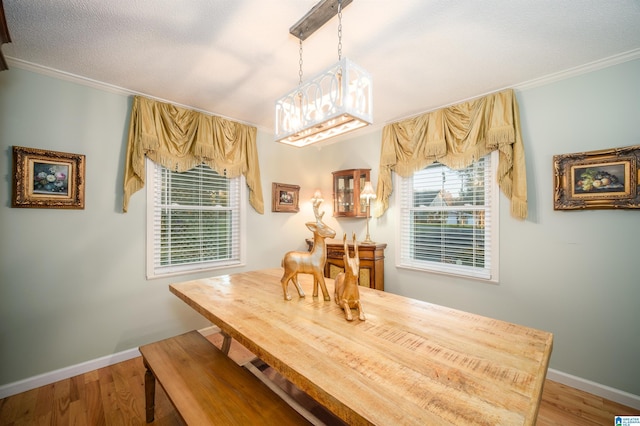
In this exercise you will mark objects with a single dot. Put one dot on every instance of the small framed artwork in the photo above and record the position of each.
(284, 197)
(47, 179)
(605, 179)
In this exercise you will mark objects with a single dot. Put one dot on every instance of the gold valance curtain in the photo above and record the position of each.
(457, 136)
(181, 139)
(4, 37)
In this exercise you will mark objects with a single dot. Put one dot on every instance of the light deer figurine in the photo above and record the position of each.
(347, 295)
(297, 262)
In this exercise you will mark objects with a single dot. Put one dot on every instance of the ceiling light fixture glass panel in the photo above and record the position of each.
(334, 102)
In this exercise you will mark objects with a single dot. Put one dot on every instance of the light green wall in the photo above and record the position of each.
(72, 282)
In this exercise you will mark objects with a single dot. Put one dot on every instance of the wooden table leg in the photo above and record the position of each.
(149, 392)
(226, 343)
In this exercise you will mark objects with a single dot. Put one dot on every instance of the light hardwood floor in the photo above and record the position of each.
(114, 395)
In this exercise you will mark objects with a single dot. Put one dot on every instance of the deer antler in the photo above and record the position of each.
(355, 244)
(316, 206)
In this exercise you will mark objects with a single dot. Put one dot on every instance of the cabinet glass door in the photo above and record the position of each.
(362, 205)
(347, 185)
(344, 194)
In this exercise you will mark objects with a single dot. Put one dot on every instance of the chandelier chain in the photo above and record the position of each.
(300, 63)
(339, 30)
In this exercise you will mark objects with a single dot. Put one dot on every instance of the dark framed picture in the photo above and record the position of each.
(47, 179)
(605, 179)
(284, 198)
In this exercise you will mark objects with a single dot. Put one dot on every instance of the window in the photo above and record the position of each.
(448, 220)
(194, 220)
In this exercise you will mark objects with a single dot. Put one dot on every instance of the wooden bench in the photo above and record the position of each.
(207, 387)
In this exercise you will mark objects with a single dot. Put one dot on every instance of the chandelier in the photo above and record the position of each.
(334, 102)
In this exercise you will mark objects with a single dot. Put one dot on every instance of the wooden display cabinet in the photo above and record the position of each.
(347, 185)
(371, 261)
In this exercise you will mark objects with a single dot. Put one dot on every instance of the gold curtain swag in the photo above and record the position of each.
(181, 139)
(457, 136)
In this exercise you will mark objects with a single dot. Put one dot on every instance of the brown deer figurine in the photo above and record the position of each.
(297, 262)
(347, 295)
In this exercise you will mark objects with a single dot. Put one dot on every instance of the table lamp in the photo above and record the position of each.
(367, 194)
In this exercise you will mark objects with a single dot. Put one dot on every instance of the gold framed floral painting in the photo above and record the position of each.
(47, 179)
(605, 179)
(284, 197)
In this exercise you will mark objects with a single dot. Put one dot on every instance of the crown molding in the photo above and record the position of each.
(582, 69)
(73, 78)
(551, 78)
(95, 84)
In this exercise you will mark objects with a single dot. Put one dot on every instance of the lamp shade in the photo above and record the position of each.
(334, 102)
(368, 193)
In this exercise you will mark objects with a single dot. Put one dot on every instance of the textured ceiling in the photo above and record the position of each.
(234, 58)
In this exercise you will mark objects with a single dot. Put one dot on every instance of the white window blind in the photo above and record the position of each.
(195, 222)
(447, 222)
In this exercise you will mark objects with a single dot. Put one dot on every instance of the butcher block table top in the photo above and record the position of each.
(409, 363)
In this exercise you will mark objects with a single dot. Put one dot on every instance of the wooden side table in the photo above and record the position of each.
(371, 261)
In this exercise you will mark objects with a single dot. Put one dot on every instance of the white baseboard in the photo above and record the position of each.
(207, 331)
(65, 373)
(594, 388)
(603, 391)
(68, 372)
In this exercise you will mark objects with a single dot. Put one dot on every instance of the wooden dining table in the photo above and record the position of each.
(409, 363)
